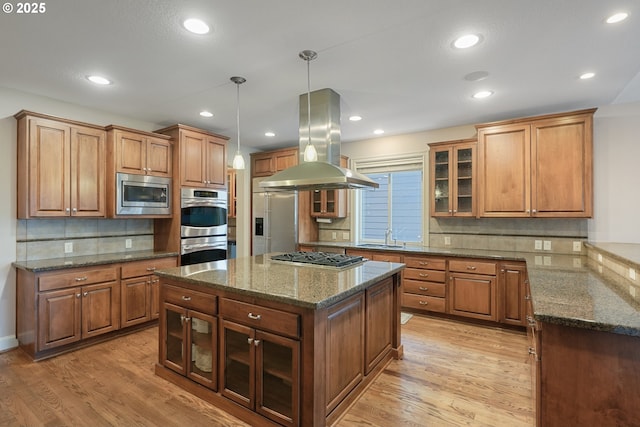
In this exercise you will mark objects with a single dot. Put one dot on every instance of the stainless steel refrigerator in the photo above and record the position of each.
(274, 220)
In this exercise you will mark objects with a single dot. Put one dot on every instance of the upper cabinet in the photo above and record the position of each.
(537, 167)
(269, 162)
(330, 203)
(202, 156)
(453, 178)
(61, 167)
(140, 153)
(232, 193)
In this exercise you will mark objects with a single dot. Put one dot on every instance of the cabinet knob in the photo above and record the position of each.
(455, 211)
(77, 295)
(256, 342)
(534, 211)
(532, 351)
(254, 316)
(67, 210)
(527, 297)
(85, 294)
(249, 341)
(449, 210)
(75, 210)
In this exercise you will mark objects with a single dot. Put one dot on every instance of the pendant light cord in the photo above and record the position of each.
(238, 112)
(309, 100)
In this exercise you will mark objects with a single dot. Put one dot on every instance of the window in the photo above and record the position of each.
(395, 209)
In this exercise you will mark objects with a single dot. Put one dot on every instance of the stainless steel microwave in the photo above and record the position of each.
(142, 195)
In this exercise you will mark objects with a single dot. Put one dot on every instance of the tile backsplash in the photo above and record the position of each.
(48, 238)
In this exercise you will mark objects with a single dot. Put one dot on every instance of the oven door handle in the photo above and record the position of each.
(189, 203)
(187, 249)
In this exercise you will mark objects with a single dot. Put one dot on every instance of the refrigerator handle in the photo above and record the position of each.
(267, 225)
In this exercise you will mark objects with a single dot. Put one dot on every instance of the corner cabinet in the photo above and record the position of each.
(140, 153)
(61, 168)
(537, 167)
(270, 162)
(453, 178)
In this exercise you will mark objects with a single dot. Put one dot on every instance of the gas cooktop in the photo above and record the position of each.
(320, 258)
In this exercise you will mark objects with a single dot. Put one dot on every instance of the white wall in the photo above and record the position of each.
(616, 174)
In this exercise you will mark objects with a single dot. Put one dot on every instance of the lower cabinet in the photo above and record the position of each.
(472, 289)
(140, 290)
(425, 285)
(378, 328)
(512, 294)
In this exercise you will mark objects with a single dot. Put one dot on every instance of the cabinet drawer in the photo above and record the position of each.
(147, 266)
(473, 267)
(77, 277)
(191, 299)
(427, 275)
(423, 302)
(421, 262)
(260, 317)
(386, 257)
(425, 288)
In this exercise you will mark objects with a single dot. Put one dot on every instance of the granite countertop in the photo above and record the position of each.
(87, 261)
(564, 289)
(302, 285)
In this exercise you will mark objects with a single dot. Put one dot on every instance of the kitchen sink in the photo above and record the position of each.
(378, 245)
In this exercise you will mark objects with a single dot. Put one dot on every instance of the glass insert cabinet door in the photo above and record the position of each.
(453, 179)
(464, 181)
(261, 372)
(442, 181)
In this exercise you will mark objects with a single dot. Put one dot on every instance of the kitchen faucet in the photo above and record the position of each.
(387, 235)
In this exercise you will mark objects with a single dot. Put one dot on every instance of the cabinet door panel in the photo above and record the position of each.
(512, 307)
(193, 157)
(173, 347)
(504, 174)
(379, 323)
(49, 168)
(158, 157)
(135, 304)
(87, 172)
(216, 163)
(59, 318)
(130, 152)
(473, 296)
(100, 309)
(237, 367)
(203, 363)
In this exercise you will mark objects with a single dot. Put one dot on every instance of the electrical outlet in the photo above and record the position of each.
(447, 240)
(334, 235)
(577, 246)
(577, 262)
(68, 247)
(538, 260)
(127, 243)
(632, 291)
(600, 258)
(546, 260)
(632, 274)
(538, 245)
(345, 235)
(547, 245)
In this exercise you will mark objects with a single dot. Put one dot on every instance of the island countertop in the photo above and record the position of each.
(302, 285)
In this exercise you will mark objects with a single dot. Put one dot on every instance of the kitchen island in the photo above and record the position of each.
(278, 343)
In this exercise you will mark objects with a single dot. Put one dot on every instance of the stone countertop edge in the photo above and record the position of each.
(38, 266)
(367, 274)
(563, 295)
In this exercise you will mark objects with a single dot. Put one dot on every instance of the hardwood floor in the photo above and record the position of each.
(452, 374)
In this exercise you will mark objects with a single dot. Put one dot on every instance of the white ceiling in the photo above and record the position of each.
(390, 60)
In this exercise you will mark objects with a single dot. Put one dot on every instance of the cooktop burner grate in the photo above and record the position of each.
(319, 258)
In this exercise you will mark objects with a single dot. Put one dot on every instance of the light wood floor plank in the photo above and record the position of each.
(453, 374)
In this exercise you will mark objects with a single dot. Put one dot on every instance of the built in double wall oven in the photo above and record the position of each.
(203, 225)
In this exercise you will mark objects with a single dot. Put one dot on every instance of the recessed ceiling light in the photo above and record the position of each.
(482, 94)
(587, 76)
(206, 114)
(617, 17)
(378, 131)
(269, 134)
(99, 80)
(355, 118)
(196, 26)
(468, 40)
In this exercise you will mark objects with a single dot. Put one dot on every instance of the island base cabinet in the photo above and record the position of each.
(260, 370)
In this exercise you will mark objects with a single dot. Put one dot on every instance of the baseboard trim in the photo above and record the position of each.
(8, 343)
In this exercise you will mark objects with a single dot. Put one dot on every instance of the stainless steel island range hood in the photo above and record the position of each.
(319, 126)
(325, 173)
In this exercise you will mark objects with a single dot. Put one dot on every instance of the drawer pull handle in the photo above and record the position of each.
(423, 302)
(81, 279)
(423, 263)
(151, 269)
(423, 275)
(471, 267)
(532, 351)
(184, 318)
(422, 288)
(186, 298)
(254, 316)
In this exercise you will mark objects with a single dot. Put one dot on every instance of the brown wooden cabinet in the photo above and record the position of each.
(269, 162)
(472, 289)
(425, 286)
(232, 193)
(140, 153)
(540, 166)
(61, 167)
(202, 157)
(189, 334)
(72, 305)
(512, 293)
(378, 333)
(330, 203)
(140, 290)
(260, 360)
(453, 178)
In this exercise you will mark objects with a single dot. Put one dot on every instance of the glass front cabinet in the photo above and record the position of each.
(453, 183)
(190, 344)
(261, 371)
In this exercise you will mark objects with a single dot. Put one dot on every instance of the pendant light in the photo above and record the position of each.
(238, 160)
(310, 153)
